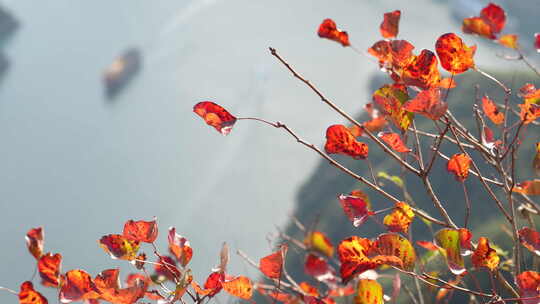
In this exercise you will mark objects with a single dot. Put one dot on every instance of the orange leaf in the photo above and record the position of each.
(309, 289)
(459, 165)
(490, 109)
(390, 25)
(530, 187)
(319, 242)
(369, 292)
(454, 244)
(392, 55)
(356, 206)
(77, 286)
(537, 42)
(530, 238)
(141, 231)
(341, 291)
(390, 99)
(392, 244)
(477, 25)
(394, 141)
(427, 103)
(339, 140)
(279, 296)
(166, 267)
(375, 124)
(485, 256)
(536, 160)
(427, 245)
(456, 57)
(214, 283)
(422, 71)
(49, 269)
(34, 241)
(107, 284)
(447, 83)
(529, 286)
(318, 268)
(239, 287)
(119, 247)
(28, 295)
(180, 247)
(215, 116)
(329, 30)
(400, 219)
(491, 21)
(509, 41)
(529, 112)
(271, 265)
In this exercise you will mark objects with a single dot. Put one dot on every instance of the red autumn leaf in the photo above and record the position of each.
(77, 286)
(108, 286)
(240, 287)
(180, 247)
(271, 265)
(278, 296)
(318, 268)
(28, 295)
(119, 247)
(490, 22)
(392, 55)
(369, 292)
(485, 256)
(34, 241)
(400, 219)
(376, 124)
(530, 93)
(214, 283)
(390, 25)
(389, 99)
(141, 231)
(530, 238)
(492, 111)
(49, 269)
(459, 164)
(319, 242)
(529, 286)
(215, 116)
(166, 267)
(356, 206)
(394, 141)
(422, 71)
(529, 112)
(536, 160)
(477, 25)
(339, 140)
(427, 245)
(509, 41)
(530, 187)
(392, 244)
(309, 289)
(456, 57)
(427, 103)
(341, 291)
(537, 42)
(447, 83)
(455, 243)
(329, 30)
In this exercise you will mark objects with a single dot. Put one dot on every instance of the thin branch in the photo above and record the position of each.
(9, 290)
(467, 204)
(506, 90)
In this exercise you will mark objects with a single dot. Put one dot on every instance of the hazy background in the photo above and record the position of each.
(81, 166)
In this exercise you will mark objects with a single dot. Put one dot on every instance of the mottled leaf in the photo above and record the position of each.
(390, 25)
(216, 116)
(339, 140)
(492, 111)
(369, 292)
(456, 57)
(390, 99)
(180, 247)
(356, 206)
(319, 242)
(271, 265)
(485, 256)
(77, 286)
(459, 164)
(28, 295)
(34, 241)
(453, 242)
(427, 103)
(400, 219)
(530, 238)
(49, 269)
(509, 41)
(119, 247)
(394, 141)
(240, 287)
(391, 244)
(422, 71)
(529, 286)
(141, 231)
(328, 29)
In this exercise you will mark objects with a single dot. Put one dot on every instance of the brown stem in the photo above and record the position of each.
(467, 204)
(506, 90)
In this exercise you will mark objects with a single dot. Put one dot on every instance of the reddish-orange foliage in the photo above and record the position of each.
(215, 116)
(356, 206)
(141, 231)
(49, 269)
(309, 289)
(393, 54)
(400, 219)
(271, 265)
(369, 292)
(491, 22)
(341, 291)
(119, 247)
(77, 286)
(422, 71)
(530, 238)
(318, 268)
(537, 42)
(319, 242)
(456, 57)
(459, 164)
(427, 103)
(166, 267)
(34, 241)
(390, 25)
(509, 41)
(214, 283)
(28, 295)
(492, 111)
(447, 83)
(485, 256)
(329, 30)
(427, 245)
(394, 141)
(239, 287)
(529, 286)
(530, 187)
(107, 284)
(339, 140)
(179, 246)
(390, 99)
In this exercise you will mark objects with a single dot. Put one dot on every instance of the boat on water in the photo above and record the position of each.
(121, 71)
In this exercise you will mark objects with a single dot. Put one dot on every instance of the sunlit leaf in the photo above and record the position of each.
(28, 295)
(459, 164)
(537, 42)
(119, 247)
(141, 231)
(49, 269)
(166, 266)
(271, 265)
(77, 286)
(392, 55)
(180, 247)
(456, 57)
(356, 206)
(454, 242)
(215, 116)
(530, 238)
(108, 286)
(369, 292)
(139, 261)
(485, 256)
(422, 71)
(394, 141)
(427, 245)
(530, 187)
(341, 291)
(318, 268)
(34, 241)
(239, 287)
(279, 296)
(391, 244)
(427, 103)
(329, 30)
(400, 219)
(490, 22)
(390, 99)
(509, 41)
(182, 285)
(309, 289)
(390, 25)
(529, 286)
(447, 83)
(339, 140)
(529, 112)
(214, 283)
(319, 242)
(393, 178)
(492, 111)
